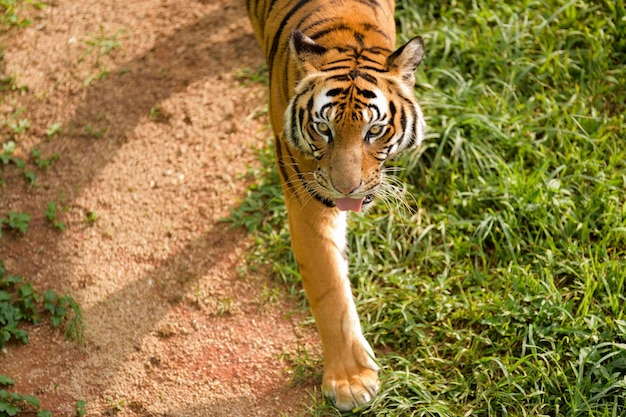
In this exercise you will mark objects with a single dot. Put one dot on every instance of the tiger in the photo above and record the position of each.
(341, 103)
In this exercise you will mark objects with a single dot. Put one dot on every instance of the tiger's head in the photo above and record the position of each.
(351, 111)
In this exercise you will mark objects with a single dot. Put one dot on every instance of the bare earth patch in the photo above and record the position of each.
(157, 136)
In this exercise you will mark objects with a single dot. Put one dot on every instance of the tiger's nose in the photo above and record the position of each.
(348, 188)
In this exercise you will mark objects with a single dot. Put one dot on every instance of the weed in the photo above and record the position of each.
(20, 302)
(7, 157)
(100, 75)
(115, 406)
(12, 404)
(81, 409)
(96, 132)
(100, 45)
(269, 295)
(64, 310)
(54, 129)
(155, 113)
(225, 306)
(91, 217)
(41, 162)
(51, 216)
(8, 148)
(15, 221)
(20, 126)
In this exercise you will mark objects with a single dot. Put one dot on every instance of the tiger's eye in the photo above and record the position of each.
(322, 127)
(375, 130)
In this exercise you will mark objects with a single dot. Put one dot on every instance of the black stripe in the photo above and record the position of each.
(317, 23)
(403, 122)
(372, 4)
(359, 38)
(366, 93)
(413, 136)
(331, 29)
(365, 58)
(334, 92)
(281, 28)
(323, 110)
(339, 61)
(281, 165)
(327, 202)
(369, 78)
(392, 109)
(338, 67)
(295, 122)
(369, 68)
(403, 119)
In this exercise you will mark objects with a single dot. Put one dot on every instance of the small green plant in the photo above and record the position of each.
(7, 157)
(225, 306)
(115, 406)
(30, 177)
(20, 126)
(51, 216)
(63, 309)
(91, 217)
(100, 75)
(81, 409)
(7, 83)
(15, 221)
(20, 302)
(156, 114)
(41, 162)
(17, 304)
(101, 44)
(96, 132)
(10, 83)
(12, 403)
(54, 129)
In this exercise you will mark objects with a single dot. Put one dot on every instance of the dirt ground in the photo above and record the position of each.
(157, 134)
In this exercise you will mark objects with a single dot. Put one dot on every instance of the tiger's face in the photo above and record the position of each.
(348, 120)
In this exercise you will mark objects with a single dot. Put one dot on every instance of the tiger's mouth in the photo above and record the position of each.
(354, 204)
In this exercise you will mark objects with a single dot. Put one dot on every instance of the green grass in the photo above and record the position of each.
(503, 293)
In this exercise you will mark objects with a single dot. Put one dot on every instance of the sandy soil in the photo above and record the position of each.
(157, 133)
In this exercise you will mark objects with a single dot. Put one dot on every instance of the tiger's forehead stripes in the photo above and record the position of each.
(350, 102)
(377, 109)
(351, 64)
(322, 105)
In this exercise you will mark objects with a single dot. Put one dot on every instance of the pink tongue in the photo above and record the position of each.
(353, 204)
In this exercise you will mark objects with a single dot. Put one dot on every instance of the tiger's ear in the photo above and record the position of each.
(307, 52)
(405, 60)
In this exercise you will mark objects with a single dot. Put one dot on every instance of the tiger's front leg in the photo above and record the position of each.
(318, 235)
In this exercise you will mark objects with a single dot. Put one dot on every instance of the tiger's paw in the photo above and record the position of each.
(353, 381)
(349, 392)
